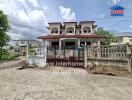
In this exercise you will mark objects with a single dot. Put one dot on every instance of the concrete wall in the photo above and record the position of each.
(108, 62)
(114, 56)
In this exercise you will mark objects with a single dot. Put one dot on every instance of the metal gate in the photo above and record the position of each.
(66, 56)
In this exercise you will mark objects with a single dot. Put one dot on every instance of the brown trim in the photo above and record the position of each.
(54, 23)
(70, 22)
(86, 22)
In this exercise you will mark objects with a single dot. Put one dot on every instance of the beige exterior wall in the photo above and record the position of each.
(121, 40)
(54, 26)
(72, 25)
(86, 25)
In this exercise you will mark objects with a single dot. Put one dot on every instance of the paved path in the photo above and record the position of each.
(62, 84)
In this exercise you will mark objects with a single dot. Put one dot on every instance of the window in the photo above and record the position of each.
(70, 30)
(86, 29)
(130, 40)
(54, 30)
(60, 32)
(22, 42)
(55, 44)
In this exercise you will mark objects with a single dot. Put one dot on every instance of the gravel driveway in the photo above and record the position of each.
(58, 83)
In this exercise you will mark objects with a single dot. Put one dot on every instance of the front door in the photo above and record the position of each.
(69, 44)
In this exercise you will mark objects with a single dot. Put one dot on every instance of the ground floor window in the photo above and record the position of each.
(55, 44)
(83, 43)
(69, 43)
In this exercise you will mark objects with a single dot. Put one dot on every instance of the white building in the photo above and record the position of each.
(73, 34)
(21, 44)
(122, 38)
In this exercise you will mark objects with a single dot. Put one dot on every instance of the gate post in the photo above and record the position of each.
(42, 61)
(129, 59)
(45, 54)
(85, 57)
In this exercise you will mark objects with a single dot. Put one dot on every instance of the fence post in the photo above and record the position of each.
(27, 54)
(129, 59)
(85, 56)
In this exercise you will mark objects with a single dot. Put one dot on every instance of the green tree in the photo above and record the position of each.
(101, 32)
(4, 27)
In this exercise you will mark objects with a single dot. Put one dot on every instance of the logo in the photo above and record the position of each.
(117, 10)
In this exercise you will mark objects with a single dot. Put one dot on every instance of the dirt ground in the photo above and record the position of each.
(59, 83)
(113, 71)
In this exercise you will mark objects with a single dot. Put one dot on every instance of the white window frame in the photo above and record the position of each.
(70, 30)
(86, 30)
(54, 30)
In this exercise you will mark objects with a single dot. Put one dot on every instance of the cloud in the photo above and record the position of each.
(34, 3)
(116, 1)
(26, 18)
(102, 15)
(45, 8)
(67, 14)
(130, 26)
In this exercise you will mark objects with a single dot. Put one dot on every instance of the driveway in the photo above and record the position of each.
(58, 83)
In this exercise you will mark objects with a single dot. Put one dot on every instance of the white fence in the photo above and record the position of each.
(107, 52)
(117, 56)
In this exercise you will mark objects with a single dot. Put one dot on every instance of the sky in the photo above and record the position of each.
(29, 18)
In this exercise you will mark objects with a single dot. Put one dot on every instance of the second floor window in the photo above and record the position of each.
(54, 30)
(70, 30)
(86, 30)
(22, 42)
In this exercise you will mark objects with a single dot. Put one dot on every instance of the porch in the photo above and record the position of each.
(71, 40)
(71, 43)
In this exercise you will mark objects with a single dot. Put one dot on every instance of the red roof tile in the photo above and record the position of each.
(70, 36)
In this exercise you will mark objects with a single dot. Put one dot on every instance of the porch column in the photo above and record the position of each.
(74, 30)
(98, 42)
(63, 43)
(60, 44)
(85, 43)
(78, 42)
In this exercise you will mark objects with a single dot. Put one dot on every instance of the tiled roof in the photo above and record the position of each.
(70, 36)
(87, 22)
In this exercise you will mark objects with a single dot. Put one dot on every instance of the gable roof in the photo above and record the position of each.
(117, 7)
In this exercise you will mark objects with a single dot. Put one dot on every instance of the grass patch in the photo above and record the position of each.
(9, 57)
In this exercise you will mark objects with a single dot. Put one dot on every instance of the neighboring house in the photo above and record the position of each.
(21, 44)
(71, 34)
(122, 38)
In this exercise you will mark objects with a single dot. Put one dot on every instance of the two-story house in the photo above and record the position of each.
(71, 34)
